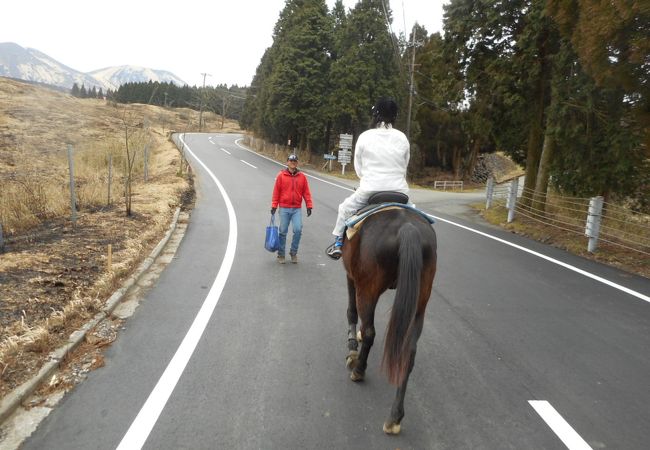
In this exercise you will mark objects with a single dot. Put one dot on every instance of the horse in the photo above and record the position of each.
(394, 249)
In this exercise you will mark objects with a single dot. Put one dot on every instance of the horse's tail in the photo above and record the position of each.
(399, 333)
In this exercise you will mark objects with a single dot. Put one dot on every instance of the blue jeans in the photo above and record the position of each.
(293, 215)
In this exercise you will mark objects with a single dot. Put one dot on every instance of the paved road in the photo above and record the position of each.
(517, 351)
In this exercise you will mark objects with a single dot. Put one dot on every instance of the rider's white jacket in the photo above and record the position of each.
(381, 156)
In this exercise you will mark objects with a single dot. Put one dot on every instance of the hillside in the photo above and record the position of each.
(53, 275)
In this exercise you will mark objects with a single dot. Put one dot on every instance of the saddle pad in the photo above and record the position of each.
(355, 222)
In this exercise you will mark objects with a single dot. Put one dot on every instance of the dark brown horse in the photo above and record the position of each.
(394, 249)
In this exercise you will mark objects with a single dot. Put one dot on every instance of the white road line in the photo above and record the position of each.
(144, 422)
(553, 260)
(560, 427)
(225, 151)
(503, 241)
(248, 164)
(284, 165)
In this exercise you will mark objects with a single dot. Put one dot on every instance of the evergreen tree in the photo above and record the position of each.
(366, 68)
(297, 83)
(75, 90)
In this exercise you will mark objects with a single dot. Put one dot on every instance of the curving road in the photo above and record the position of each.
(524, 346)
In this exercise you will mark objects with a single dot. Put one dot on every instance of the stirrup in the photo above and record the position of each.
(334, 251)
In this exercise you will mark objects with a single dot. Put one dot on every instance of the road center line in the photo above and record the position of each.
(560, 427)
(144, 422)
(225, 151)
(284, 165)
(248, 164)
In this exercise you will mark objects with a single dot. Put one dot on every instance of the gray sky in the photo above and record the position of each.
(224, 38)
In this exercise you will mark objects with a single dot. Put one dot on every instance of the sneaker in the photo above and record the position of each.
(335, 250)
(294, 259)
(281, 259)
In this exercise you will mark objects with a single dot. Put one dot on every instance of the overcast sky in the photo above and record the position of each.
(224, 38)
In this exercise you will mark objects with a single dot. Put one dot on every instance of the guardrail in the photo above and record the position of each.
(448, 184)
(597, 220)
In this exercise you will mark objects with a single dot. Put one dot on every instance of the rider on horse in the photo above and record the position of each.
(381, 157)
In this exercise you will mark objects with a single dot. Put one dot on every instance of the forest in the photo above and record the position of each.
(560, 86)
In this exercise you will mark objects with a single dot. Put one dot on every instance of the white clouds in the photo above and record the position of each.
(225, 38)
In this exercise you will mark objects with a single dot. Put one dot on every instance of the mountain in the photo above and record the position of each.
(113, 77)
(32, 65)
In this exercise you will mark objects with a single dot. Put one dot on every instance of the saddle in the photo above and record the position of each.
(377, 202)
(380, 197)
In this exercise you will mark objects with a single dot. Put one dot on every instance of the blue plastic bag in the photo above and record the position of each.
(272, 241)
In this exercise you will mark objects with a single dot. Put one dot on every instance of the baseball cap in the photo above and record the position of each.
(292, 157)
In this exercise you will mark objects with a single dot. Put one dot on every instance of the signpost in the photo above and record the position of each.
(329, 157)
(345, 150)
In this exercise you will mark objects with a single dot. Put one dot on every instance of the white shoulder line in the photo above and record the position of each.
(503, 241)
(553, 260)
(144, 422)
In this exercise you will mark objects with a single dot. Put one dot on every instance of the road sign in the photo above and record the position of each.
(345, 141)
(345, 156)
(329, 156)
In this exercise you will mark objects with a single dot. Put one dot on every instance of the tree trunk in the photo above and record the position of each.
(541, 186)
(456, 161)
(536, 133)
(471, 160)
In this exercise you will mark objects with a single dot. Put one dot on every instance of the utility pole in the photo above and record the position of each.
(201, 102)
(412, 68)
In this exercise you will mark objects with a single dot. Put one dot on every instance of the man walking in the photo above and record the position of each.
(291, 187)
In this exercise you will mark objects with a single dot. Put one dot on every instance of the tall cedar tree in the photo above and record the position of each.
(294, 91)
(366, 67)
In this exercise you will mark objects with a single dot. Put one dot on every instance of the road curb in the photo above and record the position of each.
(15, 398)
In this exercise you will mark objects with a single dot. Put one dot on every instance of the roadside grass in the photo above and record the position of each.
(625, 259)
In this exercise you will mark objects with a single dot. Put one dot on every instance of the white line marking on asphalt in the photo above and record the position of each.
(284, 165)
(553, 260)
(503, 241)
(225, 151)
(560, 427)
(144, 422)
(248, 164)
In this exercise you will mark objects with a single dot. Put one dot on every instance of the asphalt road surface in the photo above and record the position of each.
(524, 346)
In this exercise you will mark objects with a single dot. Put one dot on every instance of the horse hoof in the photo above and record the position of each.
(351, 360)
(392, 428)
(356, 377)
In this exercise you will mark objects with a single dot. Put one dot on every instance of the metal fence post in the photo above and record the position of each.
(110, 177)
(592, 228)
(512, 199)
(489, 192)
(73, 197)
(146, 163)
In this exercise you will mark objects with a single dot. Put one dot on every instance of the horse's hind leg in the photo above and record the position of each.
(353, 318)
(393, 424)
(367, 312)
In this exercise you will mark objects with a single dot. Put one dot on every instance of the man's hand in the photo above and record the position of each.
(273, 210)
(308, 212)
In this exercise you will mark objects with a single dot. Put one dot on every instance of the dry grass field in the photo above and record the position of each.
(54, 275)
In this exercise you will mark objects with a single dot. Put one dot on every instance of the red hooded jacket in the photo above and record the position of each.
(290, 189)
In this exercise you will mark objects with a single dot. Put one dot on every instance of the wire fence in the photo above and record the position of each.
(593, 218)
(87, 180)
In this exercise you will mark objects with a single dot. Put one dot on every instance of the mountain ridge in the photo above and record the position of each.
(33, 65)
